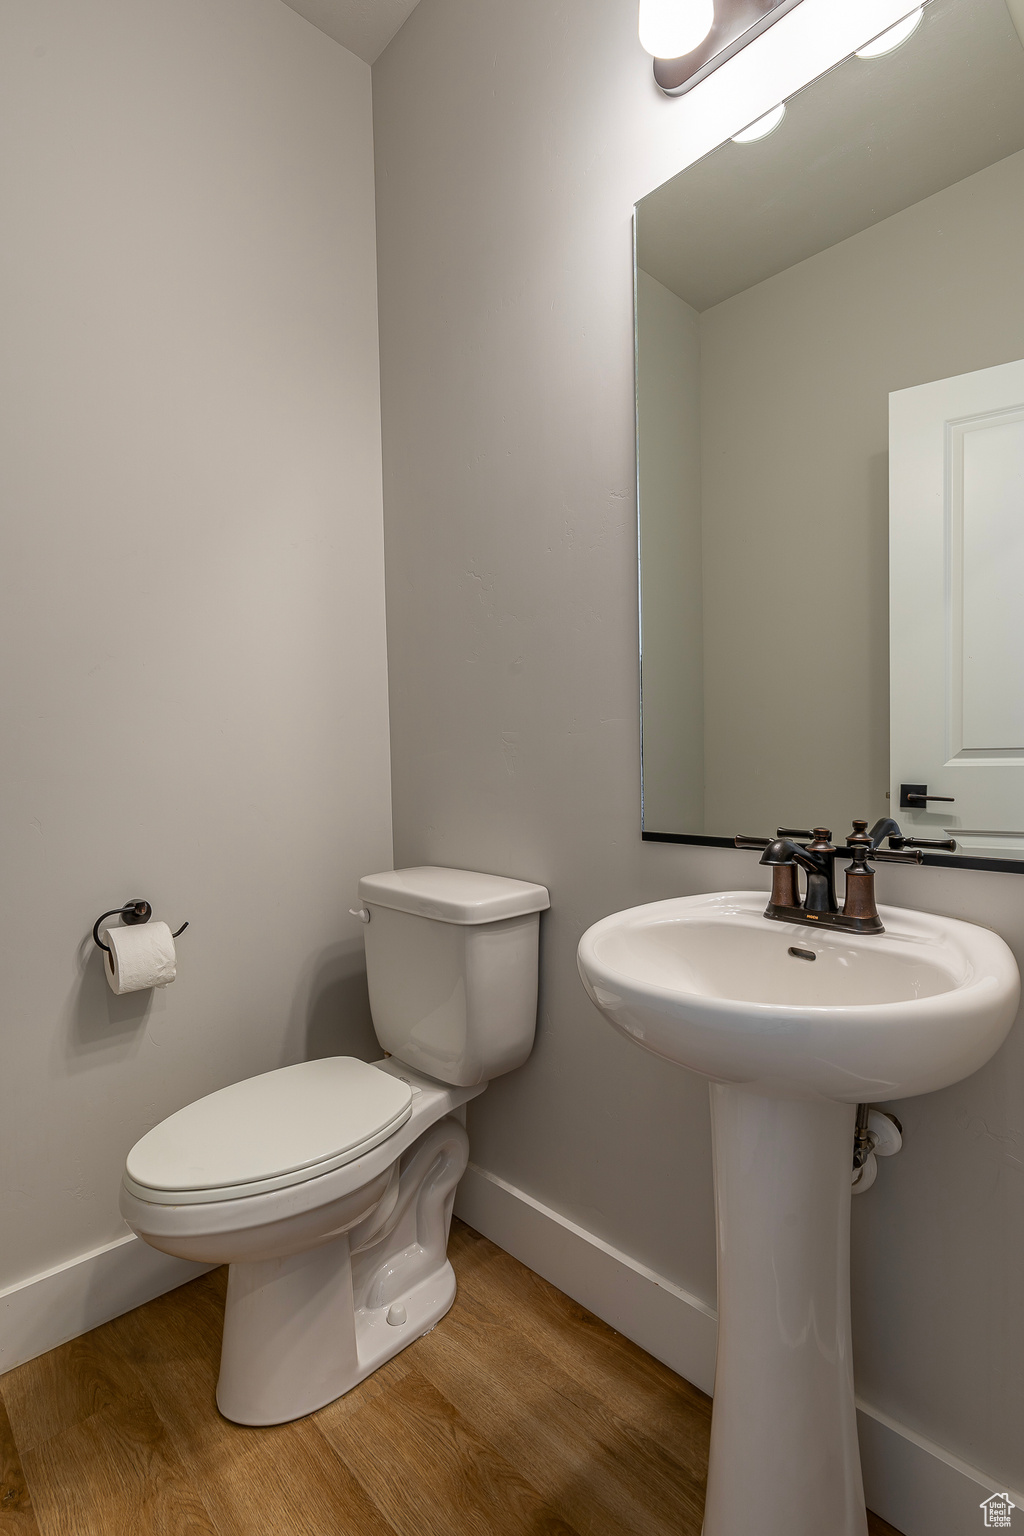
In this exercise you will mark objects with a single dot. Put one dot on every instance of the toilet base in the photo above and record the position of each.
(260, 1383)
(304, 1328)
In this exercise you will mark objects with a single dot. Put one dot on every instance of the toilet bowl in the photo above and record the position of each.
(328, 1186)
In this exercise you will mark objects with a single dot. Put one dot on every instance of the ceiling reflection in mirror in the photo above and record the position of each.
(832, 308)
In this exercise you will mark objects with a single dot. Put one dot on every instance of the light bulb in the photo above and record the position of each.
(763, 126)
(893, 38)
(671, 28)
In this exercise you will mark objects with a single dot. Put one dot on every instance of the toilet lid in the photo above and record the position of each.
(270, 1131)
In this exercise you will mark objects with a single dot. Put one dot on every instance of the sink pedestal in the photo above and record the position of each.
(784, 1454)
(793, 1026)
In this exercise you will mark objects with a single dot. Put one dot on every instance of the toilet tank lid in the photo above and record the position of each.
(453, 895)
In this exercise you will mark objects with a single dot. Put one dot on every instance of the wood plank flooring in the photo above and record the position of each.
(520, 1415)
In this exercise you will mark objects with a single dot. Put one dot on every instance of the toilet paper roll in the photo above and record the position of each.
(140, 956)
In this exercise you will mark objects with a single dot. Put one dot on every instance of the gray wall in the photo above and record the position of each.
(512, 142)
(671, 563)
(194, 697)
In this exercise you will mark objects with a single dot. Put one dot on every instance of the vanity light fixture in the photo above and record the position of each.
(762, 127)
(690, 38)
(894, 37)
(671, 28)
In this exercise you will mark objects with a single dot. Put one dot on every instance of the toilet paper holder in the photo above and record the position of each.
(132, 912)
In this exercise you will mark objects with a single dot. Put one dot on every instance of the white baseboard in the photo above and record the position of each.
(919, 1488)
(47, 1309)
(916, 1485)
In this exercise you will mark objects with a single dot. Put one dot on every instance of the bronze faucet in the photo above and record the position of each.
(817, 858)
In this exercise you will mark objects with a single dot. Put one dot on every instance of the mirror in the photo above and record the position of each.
(830, 408)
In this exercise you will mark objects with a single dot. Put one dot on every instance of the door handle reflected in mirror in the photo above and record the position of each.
(916, 797)
(945, 844)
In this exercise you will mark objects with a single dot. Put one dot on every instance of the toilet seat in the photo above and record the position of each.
(268, 1132)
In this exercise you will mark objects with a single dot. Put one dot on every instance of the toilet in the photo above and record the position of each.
(328, 1186)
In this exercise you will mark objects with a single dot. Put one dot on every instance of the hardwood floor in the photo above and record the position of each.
(520, 1415)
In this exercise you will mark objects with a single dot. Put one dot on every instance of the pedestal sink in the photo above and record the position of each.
(795, 1027)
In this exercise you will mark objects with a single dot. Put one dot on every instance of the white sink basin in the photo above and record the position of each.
(792, 1042)
(711, 983)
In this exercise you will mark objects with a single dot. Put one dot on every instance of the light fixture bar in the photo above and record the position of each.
(736, 23)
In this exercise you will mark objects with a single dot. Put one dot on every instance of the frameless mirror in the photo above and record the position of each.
(830, 407)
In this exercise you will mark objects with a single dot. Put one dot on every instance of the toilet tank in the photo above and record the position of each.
(451, 965)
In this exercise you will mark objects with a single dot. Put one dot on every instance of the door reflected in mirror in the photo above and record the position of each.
(830, 398)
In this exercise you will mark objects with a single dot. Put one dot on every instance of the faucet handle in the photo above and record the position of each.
(915, 857)
(793, 832)
(742, 841)
(859, 837)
